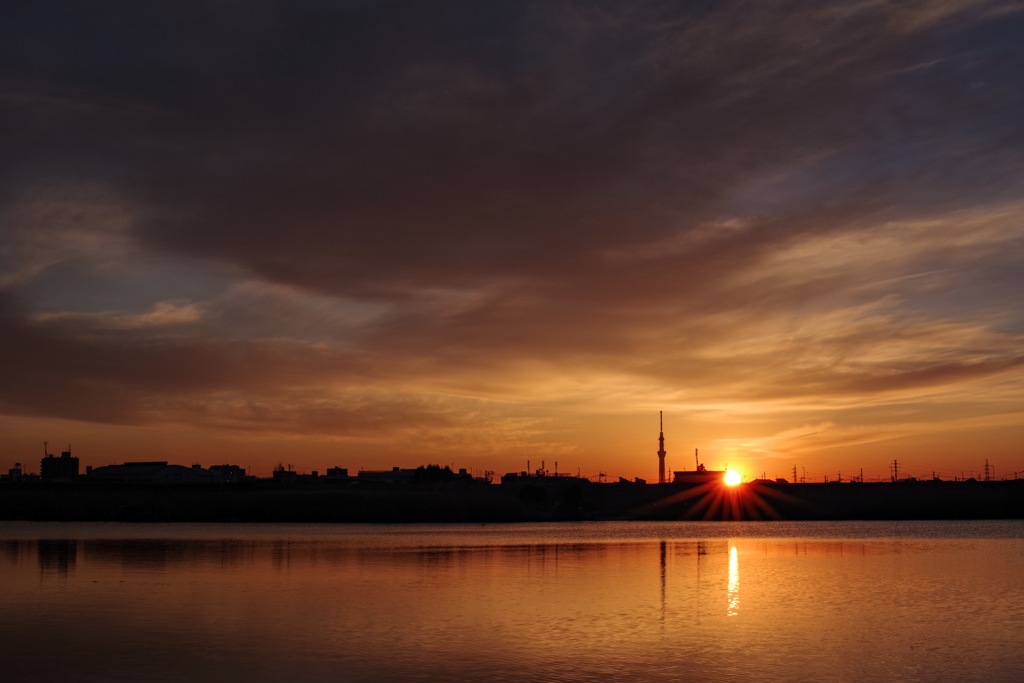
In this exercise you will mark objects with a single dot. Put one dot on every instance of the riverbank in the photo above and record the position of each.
(555, 501)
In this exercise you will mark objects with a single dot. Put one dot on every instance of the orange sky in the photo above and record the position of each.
(349, 236)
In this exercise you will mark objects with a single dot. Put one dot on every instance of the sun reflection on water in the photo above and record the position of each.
(734, 583)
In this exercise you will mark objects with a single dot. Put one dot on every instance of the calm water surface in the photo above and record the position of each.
(839, 601)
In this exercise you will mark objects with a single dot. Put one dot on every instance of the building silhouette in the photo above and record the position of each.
(697, 476)
(160, 472)
(64, 468)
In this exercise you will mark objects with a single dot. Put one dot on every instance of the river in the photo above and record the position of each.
(601, 601)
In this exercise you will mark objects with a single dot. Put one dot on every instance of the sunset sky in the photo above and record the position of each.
(373, 234)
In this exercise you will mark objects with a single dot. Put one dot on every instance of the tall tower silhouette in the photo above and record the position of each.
(661, 448)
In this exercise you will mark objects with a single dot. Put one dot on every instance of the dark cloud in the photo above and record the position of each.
(381, 146)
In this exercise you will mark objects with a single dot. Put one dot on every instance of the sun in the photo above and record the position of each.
(733, 478)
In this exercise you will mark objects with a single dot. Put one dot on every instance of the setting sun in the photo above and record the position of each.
(732, 478)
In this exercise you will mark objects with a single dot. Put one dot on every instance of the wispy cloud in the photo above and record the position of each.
(163, 314)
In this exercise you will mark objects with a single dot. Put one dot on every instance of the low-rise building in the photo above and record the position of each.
(396, 475)
(155, 472)
(229, 473)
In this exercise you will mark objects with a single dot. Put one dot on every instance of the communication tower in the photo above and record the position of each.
(661, 447)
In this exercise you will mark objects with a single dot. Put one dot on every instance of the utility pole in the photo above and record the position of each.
(895, 470)
(794, 474)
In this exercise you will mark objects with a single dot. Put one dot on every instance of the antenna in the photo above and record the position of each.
(696, 457)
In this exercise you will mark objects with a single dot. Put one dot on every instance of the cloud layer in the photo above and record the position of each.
(494, 227)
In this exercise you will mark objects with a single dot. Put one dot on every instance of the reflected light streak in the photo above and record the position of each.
(734, 584)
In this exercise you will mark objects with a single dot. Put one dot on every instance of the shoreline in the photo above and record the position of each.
(268, 502)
